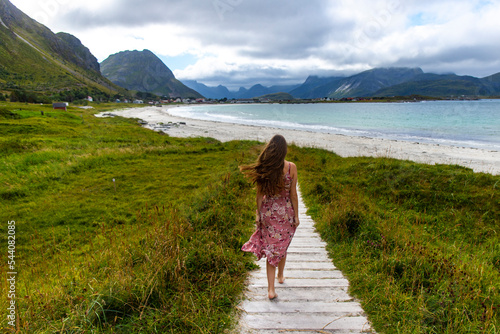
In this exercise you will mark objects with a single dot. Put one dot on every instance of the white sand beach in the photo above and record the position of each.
(346, 146)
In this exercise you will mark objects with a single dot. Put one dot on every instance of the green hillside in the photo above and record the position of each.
(278, 97)
(47, 65)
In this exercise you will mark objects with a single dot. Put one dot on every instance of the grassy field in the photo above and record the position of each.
(420, 244)
(157, 250)
(123, 230)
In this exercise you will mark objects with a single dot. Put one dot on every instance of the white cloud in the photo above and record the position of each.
(244, 42)
(162, 39)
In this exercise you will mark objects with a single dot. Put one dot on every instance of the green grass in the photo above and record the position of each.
(158, 249)
(420, 244)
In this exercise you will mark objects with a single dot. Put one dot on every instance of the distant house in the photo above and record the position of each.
(138, 101)
(60, 105)
(90, 99)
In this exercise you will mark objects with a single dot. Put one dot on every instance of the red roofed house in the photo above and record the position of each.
(60, 105)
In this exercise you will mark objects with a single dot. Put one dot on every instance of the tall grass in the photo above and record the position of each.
(170, 272)
(419, 243)
(154, 251)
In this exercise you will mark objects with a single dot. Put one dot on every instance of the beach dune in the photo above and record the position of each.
(479, 160)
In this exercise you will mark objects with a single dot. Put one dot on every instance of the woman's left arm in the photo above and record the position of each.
(293, 193)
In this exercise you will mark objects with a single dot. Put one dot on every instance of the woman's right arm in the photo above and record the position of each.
(259, 199)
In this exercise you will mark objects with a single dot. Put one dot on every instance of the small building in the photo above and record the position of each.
(138, 101)
(60, 105)
(247, 100)
(90, 99)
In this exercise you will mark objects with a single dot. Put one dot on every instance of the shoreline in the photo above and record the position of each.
(479, 160)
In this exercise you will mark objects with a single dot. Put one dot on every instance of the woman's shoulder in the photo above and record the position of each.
(291, 167)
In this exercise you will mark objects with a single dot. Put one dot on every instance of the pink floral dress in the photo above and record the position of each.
(273, 236)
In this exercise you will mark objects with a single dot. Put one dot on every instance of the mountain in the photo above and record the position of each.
(397, 81)
(316, 87)
(144, 71)
(492, 83)
(362, 84)
(445, 85)
(34, 59)
(77, 53)
(368, 82)
(218, 92)
(393, 81)
(221, 92)
(255, 90)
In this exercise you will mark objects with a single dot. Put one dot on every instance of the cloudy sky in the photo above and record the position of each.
(244, 42)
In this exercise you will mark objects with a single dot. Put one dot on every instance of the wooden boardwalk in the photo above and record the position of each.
(313, 298)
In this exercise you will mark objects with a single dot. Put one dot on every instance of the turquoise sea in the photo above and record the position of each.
(455, 123)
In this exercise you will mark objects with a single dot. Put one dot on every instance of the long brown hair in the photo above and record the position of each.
(267, 172)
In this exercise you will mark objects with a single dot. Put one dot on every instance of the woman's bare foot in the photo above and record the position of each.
(281, 270)
(272, 295)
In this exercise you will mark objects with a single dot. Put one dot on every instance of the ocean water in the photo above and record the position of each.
(455, 123)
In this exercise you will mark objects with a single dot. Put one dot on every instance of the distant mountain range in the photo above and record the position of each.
(380, 82)
(35, 59)
(144, 71)
(221, 92)
(366, 83)
(59, 67)
(445, 85)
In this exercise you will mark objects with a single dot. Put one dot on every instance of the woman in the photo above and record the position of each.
(277, 214)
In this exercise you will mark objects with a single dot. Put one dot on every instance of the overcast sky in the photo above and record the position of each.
(244, 42)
